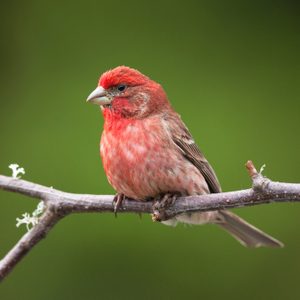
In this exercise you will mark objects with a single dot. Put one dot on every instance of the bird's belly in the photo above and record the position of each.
(145, 167)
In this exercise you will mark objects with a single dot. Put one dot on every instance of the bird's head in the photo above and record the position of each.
(128, 93)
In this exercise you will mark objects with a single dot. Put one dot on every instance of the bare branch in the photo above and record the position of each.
(59, 204)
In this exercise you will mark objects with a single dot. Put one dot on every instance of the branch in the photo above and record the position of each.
(59, 204)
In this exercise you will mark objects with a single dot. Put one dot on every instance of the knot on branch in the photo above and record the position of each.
(259, 182)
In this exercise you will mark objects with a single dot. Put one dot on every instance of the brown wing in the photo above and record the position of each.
(183, 139)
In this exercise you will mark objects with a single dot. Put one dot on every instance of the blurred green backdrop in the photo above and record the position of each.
(231, 68)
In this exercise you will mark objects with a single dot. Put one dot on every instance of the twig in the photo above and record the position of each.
(59, 204)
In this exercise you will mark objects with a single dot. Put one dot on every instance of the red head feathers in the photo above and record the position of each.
(123, 75)
(127, 93)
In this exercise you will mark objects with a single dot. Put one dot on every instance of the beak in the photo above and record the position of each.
(99, 96)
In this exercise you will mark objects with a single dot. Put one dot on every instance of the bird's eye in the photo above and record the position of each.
(121, 87)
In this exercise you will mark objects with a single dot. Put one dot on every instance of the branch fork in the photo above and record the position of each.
(259, 182)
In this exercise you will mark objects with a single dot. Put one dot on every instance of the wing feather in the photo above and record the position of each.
(183, 139)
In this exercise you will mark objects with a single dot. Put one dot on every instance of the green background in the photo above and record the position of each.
(231, 68)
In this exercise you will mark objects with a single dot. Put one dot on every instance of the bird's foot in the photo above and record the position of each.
(117, 202)
(161, 203)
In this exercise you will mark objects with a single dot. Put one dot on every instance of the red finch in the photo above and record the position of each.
(147, 151)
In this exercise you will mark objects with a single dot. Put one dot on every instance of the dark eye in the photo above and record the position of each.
(121, 87)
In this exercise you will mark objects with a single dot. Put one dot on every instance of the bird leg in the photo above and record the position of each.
(160, 204)
(117, 202)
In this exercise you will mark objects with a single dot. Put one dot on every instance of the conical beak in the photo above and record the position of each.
(99, 96)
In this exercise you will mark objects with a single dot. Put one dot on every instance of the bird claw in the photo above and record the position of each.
(161, 203)
(117, 202)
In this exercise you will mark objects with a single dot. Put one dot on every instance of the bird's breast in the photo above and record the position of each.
(141, 161)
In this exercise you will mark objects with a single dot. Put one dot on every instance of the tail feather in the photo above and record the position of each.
(245, 233)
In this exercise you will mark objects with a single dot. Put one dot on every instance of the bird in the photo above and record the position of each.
(148, 152)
